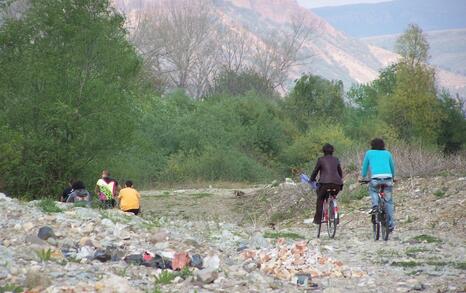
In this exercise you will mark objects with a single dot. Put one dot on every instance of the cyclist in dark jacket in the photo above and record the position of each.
(331, 177)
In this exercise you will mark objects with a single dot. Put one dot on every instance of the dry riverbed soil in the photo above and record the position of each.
(237, 240)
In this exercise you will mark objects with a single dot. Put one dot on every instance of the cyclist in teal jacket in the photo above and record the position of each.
(382, 169)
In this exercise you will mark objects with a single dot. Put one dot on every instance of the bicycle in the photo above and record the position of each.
(330, 215)
(379, 216)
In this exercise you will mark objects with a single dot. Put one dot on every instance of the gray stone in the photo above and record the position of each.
(36, 279)
(45, 233)
(250, 267)
(207, 276)
(86, 213)
(196, 261)
(258, 241)
(34, 239)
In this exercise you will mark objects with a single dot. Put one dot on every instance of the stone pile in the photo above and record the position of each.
(286, 261)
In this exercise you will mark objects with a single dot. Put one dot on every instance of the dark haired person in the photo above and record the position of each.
(382, 169)
(79, 193)
(107, 189)
(130, 199)
(331, 177)
(67, 191)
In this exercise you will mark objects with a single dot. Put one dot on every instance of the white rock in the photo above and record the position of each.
(212, 262)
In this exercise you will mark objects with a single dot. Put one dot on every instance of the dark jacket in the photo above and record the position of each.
(330, 170)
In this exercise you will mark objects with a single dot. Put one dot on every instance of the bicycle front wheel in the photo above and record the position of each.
(332, 220)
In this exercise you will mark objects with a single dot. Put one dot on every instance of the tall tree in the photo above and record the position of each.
(413, 46)
(413, 108)
(66, 91)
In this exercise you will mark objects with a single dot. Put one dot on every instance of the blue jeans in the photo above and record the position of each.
(388, 192)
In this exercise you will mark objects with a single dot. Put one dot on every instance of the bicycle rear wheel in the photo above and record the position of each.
(332, 221)
(384, 226)
(375, 227)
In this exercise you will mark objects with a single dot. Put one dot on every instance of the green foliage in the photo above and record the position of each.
(66, 86)
(427, 239)
(314, 98)
(289, 235)
(452, 135)
(413, 110)
(44, 255)
(230, 83)
(11, 288)
(309, 145)
(165, 277)
(48, 205)
(412, 45)
(185, 273)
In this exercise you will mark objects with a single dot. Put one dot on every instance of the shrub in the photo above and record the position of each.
(48, 205)
(309, 146)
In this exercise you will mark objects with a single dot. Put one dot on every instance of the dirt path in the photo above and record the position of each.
(195, 204)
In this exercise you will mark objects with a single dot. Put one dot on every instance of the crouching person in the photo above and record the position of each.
(130, 199)
(79, 194)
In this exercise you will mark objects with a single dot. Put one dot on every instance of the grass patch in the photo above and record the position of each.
(427, 238)
(114, 217)
(388, 252)
(414, 250)
(461, 265)
(437, 263)
(44, 255)
(201, 195)
(48, 205)
(289, 235)
(165, 278)
(278, 217)
(406, 264)
(185, 273)
(439, 193)
(11, 288)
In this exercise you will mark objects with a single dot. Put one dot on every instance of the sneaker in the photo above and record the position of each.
(373, 211)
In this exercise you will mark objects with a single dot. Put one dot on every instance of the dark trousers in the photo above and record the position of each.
(108, 204)
(134, 211)
(322, 194)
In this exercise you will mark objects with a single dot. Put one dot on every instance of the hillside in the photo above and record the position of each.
(447, 48)
(332, 53)
(362, 20)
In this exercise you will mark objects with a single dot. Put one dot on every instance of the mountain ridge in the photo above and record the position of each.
(334, 55)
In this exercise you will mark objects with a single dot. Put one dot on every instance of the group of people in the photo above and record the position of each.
(108, 193)
(377, 161)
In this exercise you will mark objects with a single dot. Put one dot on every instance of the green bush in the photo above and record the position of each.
(215, 164)
(309, 145)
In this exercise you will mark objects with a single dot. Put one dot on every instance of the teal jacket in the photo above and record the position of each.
(380, 163)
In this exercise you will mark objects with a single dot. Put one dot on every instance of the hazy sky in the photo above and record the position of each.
(319, 3)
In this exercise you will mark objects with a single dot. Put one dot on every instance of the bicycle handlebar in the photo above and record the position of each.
(366, 181)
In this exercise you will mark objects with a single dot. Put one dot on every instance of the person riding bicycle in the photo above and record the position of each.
(382, 169)
(331, 177)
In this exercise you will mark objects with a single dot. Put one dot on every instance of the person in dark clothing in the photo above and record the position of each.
(67, 191)
(330, 177)
(79, 194)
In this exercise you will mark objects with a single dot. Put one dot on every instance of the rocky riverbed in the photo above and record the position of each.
(203, 241)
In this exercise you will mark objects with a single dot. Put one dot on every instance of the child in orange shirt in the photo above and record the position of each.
(130, 199)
